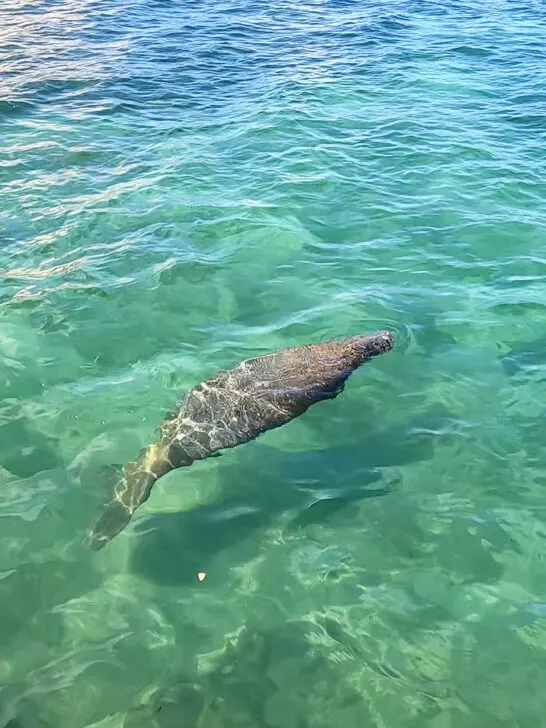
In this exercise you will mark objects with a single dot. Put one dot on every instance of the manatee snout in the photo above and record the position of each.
(386, 340)
(377, 344)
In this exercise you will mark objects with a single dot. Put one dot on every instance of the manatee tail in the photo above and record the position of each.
(113, 519)
(131, 491)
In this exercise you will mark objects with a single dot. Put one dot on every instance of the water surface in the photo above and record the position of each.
(187, 184)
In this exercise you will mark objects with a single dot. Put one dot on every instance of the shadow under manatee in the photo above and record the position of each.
(313, 486)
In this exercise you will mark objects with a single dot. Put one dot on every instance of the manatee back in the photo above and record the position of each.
(238, 405)
(261, 393)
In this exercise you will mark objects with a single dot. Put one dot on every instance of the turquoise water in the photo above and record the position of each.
(184, 185)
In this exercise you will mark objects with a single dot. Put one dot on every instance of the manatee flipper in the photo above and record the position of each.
(234, 407)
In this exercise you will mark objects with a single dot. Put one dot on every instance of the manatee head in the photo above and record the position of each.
(374, 344)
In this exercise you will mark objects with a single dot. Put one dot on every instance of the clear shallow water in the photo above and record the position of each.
(187, 184)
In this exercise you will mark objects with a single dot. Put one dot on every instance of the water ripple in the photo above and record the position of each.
(183, 185)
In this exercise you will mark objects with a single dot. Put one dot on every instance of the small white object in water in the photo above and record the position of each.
(201, 575)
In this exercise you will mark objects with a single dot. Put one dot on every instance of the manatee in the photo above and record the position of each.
(234, 407)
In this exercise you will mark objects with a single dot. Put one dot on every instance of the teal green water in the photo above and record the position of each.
(184, 185)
